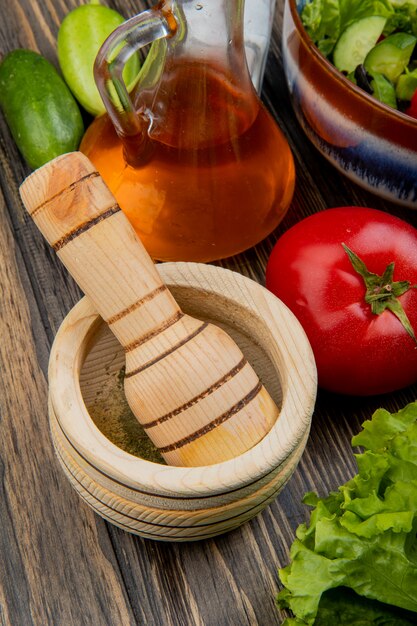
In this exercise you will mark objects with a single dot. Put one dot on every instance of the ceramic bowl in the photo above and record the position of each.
(373, 144)
(136, 492)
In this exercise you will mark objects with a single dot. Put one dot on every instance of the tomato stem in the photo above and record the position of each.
(382, 292)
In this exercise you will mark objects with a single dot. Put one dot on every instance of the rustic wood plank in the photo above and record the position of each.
(48, 544)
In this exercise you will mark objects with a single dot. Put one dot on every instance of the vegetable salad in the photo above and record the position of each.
(373, 42)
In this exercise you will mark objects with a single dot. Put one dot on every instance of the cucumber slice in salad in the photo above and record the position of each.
(391, 55)
(356, 41)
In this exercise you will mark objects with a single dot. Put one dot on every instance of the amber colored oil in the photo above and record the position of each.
(216, 177)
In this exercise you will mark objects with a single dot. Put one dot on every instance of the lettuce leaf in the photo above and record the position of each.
(321, 19)
(403, 19)
(342, 607)
(363, 536)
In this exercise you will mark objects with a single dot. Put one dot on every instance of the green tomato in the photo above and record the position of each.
(82, 33)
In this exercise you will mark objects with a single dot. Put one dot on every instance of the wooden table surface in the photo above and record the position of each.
(61, 564)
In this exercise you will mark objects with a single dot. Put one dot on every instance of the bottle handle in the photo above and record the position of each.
(135, 33)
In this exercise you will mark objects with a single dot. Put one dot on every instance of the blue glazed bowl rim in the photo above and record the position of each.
(296, 7)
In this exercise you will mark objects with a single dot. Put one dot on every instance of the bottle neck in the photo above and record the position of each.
(209, 33)
(195, 89)
(209, 28)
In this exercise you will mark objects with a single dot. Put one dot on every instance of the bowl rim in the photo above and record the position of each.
(299, 388)
(340, 77)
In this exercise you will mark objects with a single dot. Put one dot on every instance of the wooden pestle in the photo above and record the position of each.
(186, 381)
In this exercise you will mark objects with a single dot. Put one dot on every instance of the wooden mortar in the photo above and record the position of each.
(169, 503)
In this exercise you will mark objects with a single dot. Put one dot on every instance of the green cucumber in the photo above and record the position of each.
(406, 85)
(391, 55)
(40, 110)
(356, 41)
(80, 36)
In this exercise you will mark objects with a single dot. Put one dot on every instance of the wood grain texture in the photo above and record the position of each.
(227, 581)
(26, 459)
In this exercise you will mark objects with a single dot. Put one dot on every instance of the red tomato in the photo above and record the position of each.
(412, 109)
(357, 351)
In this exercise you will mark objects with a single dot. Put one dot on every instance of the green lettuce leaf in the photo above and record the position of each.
(403, 19)
(354, 10)
(363, 536)
(321, 19)
(342, 607)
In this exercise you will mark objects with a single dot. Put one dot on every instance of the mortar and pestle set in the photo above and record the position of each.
(195, 340)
